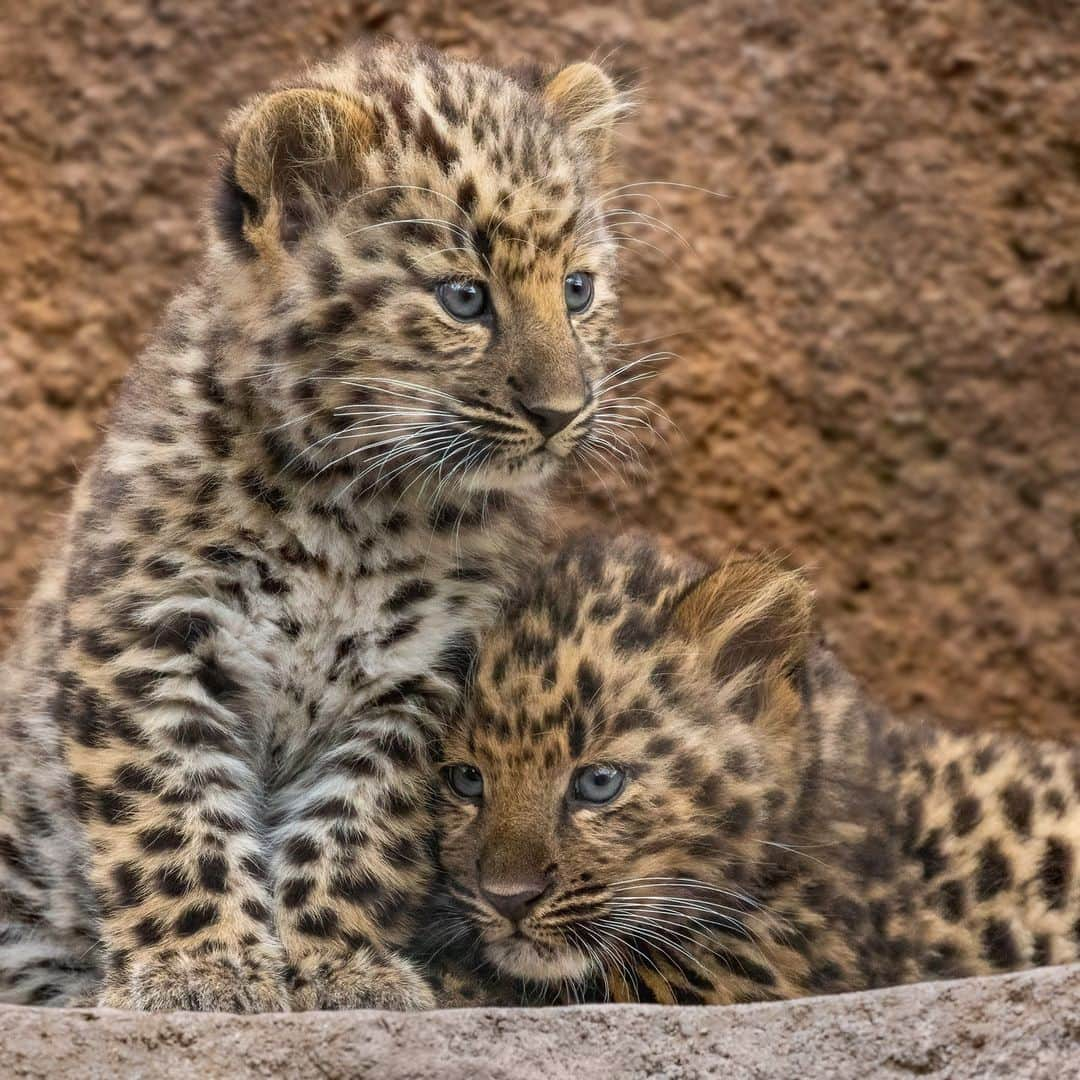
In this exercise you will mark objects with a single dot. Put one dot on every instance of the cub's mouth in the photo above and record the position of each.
(521, 469)
(516, 952)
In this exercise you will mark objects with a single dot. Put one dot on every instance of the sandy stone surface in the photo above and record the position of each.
(878, 332)
(1011, 1026)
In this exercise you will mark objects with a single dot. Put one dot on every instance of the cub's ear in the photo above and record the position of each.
(291, 152)
(751, 622)
(589, 103)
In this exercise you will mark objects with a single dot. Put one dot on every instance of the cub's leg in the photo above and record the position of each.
(49, 942)
(155, 710)
(352, 864)
(49, 951)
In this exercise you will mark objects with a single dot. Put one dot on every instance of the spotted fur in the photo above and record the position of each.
(776, 835)
(315, 486)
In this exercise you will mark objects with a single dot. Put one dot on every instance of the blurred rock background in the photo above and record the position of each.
(878, 333)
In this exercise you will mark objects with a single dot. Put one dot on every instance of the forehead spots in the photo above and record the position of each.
(639, 717)
(588, 684)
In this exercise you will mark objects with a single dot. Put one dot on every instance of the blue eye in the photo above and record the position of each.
(465, 300)
(465, 780)
(598, 783)
(578, 288)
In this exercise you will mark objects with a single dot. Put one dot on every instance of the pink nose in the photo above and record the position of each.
(513, 899)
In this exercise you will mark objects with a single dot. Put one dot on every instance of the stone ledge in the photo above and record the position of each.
(1021, 1025)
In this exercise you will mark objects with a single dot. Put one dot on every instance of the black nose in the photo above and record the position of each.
(514, 899)
(548, 421)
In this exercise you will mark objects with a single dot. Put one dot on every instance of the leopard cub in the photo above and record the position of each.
(317, 484)
(664, 787)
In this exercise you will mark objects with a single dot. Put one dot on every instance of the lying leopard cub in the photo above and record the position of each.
(665, 788)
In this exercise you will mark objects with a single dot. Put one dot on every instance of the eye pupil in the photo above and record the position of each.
(578, 288)
(465, 300)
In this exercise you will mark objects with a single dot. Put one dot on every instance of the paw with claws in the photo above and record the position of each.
(358, 979)
(218, 982)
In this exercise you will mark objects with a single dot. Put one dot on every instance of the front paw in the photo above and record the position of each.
(357, 980)
(219, 982)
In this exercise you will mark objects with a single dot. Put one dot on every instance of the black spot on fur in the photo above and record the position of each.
(356, 887)
(295, 892)
(993, 872)
(216, 681)
(149, 931)
(952, 900)
(429, 141)
(161, 838)
(738, 817)
(929, 853)
(1018, 803)
(457, 658)
(999, 947)
(321, 923)
(87, 715)
(172, 880)
(136, 685)
(14, 856)
(98, 646)
(195, 918)
(255, 909)
(180, 632)
(467, 195)
(134, 777)
(128, 883)
(213, 872)
(114, 807)
(301, 849)
(635, 633)
(1055, 872)
(967, 813)
(161, 567)
(326, 274)
(659, 746)
(330, 810)
(336, 317)
(407, 594)
(260, 491)
(82, 794)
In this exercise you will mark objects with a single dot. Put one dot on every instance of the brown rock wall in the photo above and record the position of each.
(878, 333)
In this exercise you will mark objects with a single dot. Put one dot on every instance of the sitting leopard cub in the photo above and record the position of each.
(215, 729)
(665, 788)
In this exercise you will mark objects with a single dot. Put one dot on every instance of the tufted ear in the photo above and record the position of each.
(589, 103)
(293, 150)
(751, 621)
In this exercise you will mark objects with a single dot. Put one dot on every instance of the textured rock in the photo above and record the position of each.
(879, 332)
(1013, 1026)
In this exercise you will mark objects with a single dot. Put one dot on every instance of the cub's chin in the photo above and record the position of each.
(520, 474)
(523, 958)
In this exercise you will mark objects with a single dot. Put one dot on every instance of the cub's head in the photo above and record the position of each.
(629, 742)
(419, 249)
